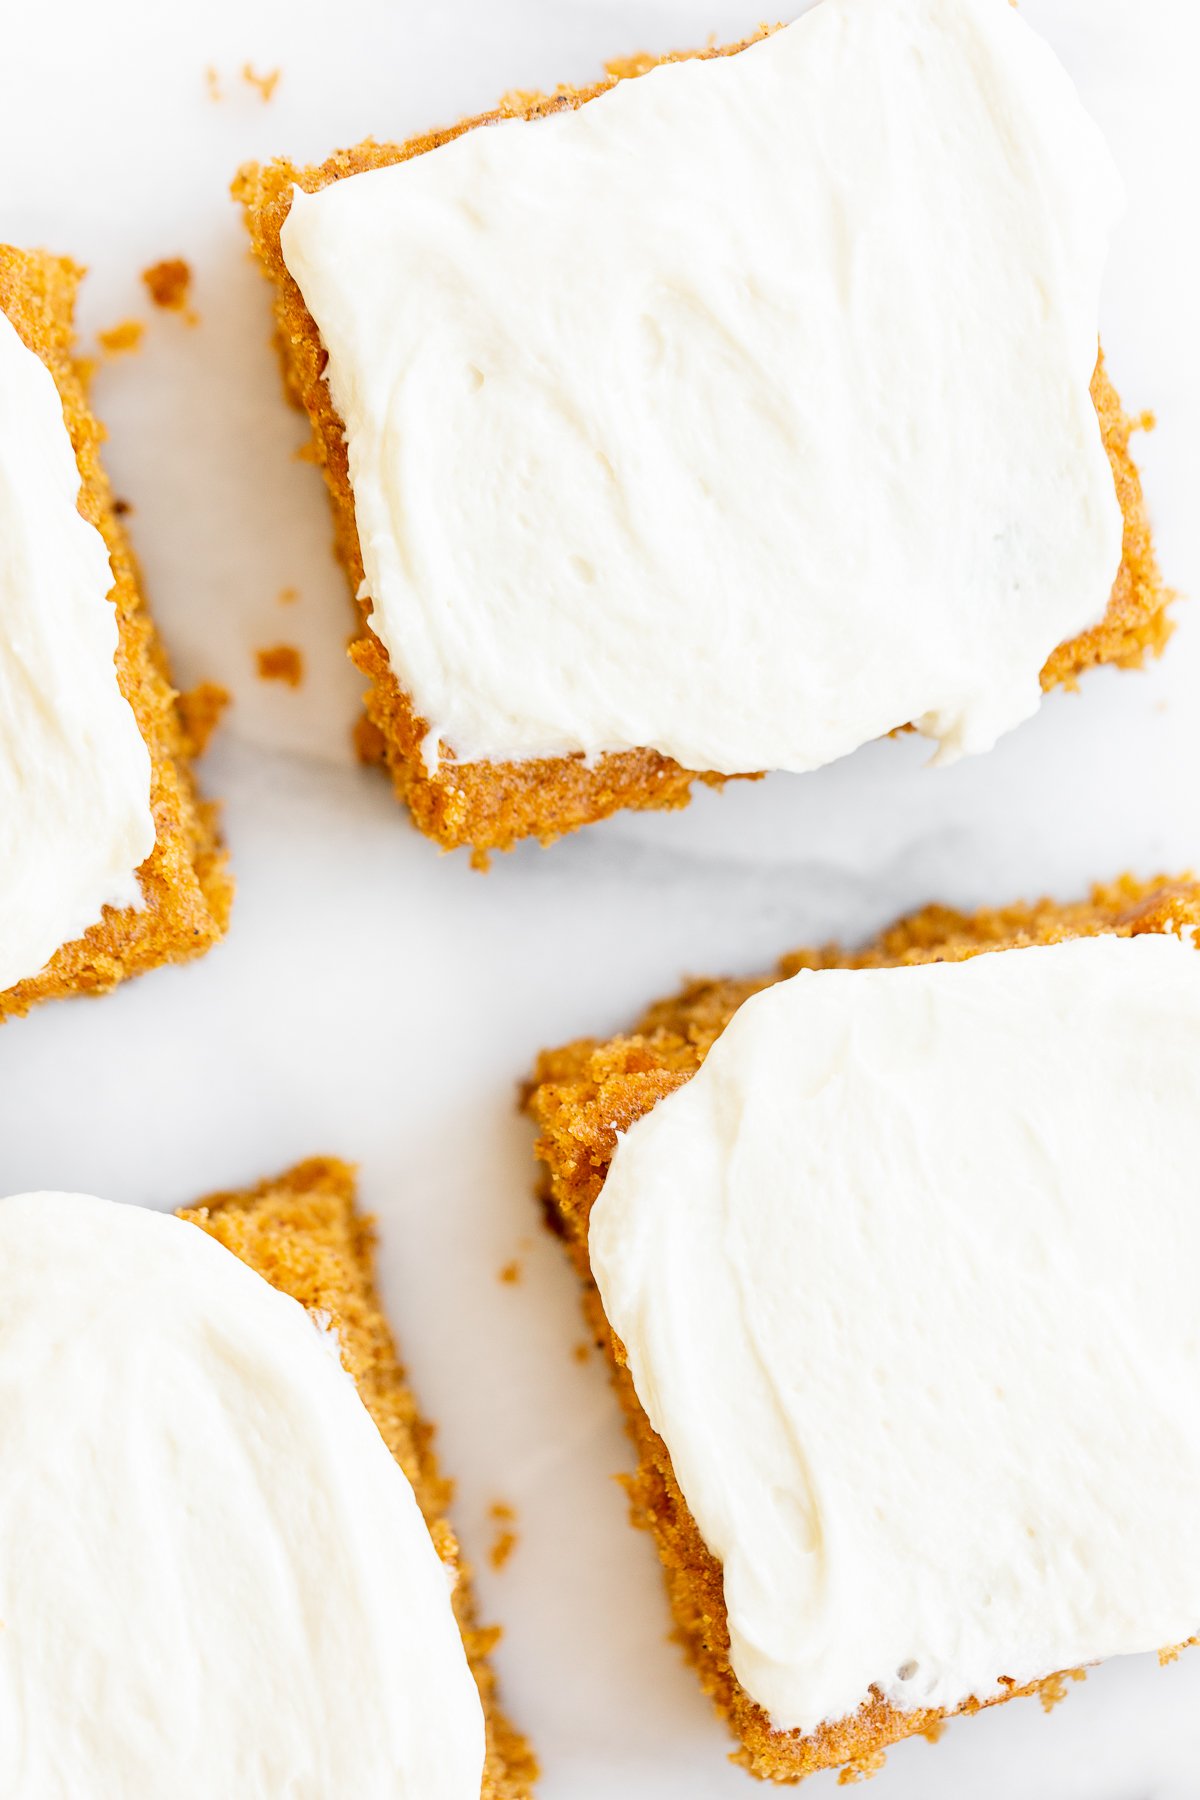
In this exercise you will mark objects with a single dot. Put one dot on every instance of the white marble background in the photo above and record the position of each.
(377, 1000)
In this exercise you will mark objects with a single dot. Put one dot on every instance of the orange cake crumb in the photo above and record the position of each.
(266, 84)
(504, 1542)
(186, 889)
(510, 1274)
(581, 1351)
(304, 1234)
(585, 1094)
(213, 83)
(862, 1770)
(201, 711)
(288, 596)
(491, 805)
(169, 284)
(280, 662)
(1054, 1688)
(115, 340)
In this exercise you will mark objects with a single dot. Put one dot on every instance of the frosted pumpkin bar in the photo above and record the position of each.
(110, 863)
(720, 417)
(896, 1255)
(224, 1557)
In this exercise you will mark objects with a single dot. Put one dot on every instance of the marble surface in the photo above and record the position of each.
(379, 1001)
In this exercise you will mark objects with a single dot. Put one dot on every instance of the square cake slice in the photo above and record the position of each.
(110, 863)
(895, 1255)
(303, 1233)
(225, 1563)
(718, 417)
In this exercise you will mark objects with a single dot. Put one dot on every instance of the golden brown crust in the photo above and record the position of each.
(303, 1234)
(491, 805)
(582, 1095)
(185, 885)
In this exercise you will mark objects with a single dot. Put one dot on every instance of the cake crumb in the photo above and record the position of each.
(518, 101)
(266, 84)
(280, 662)
(169, 284)
(504, 1542)
(115, 340)
(122, 508)
(288, 596)
(510, 1274)
(1054, 1688)
(861, 1769)
(212, 82)
(628, 68)
(200, 712)
(581, 1351)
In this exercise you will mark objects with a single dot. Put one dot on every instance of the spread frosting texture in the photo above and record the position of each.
(75, 819)
(214, 1578)
(742, 413)
(907, 1279)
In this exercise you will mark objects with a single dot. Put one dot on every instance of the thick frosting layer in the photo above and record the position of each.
(214, 1578)
(744, 412)
(75, 820)
(907, 1277)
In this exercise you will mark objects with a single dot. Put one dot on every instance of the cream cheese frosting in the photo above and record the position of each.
(742, 413)
(75, 819)
(214, 1577)
(907, 1278)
